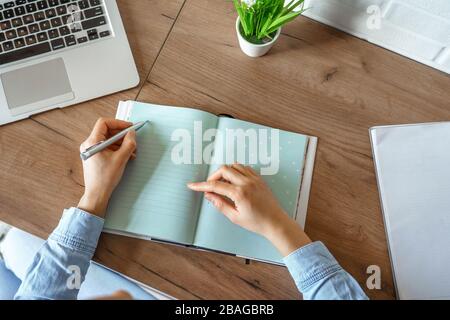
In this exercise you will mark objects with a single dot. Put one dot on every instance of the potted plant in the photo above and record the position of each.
(259, 23)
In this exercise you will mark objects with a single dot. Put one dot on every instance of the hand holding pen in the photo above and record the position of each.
(106, 151)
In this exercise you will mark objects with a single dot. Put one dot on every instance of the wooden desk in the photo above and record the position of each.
(316, 80)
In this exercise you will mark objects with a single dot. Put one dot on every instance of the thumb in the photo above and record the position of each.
(128, 146)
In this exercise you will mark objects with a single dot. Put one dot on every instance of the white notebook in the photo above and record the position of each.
(413, 171)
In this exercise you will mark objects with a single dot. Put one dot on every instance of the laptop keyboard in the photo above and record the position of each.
(30, 28)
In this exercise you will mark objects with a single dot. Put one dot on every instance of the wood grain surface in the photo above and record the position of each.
(316, 80)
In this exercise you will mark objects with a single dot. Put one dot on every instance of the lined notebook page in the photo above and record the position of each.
(216, 232)
(152, 198)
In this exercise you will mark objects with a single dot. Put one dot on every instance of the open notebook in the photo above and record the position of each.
(153, 202)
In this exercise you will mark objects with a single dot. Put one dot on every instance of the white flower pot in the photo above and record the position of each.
(252, 49)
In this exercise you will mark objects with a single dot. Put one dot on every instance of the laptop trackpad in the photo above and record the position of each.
(36, 87)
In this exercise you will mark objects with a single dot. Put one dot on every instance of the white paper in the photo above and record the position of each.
(413, 171)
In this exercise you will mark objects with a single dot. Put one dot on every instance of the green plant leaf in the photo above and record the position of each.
(264, 29)
(292, 6)
(264, 17)
(282, 20)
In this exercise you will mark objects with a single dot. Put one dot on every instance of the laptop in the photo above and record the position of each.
(56, 53)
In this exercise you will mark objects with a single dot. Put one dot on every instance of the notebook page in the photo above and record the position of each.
(216, 232)
(152, 199)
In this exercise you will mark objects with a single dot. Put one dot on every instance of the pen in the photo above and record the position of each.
(102, 145)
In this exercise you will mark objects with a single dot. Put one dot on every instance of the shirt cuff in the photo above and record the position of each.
(310, 264)
(78, 230)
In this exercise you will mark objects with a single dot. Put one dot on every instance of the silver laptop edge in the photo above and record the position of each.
(69, 75)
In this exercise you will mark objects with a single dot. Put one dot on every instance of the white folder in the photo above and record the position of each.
(412, 163)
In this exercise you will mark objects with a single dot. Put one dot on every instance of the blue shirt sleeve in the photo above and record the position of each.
(318, 275)
(59, 268)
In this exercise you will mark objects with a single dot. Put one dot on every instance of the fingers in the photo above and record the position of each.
(104, 126)
(245, 170)
(251, 171)
(219, 187)
(116, 147)
(119, 143)
(234, 173)
(240, 168)
(223, 205)
(128, 146)
(227, 173)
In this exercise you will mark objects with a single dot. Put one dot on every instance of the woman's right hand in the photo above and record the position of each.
(103, 171)
(246, 200)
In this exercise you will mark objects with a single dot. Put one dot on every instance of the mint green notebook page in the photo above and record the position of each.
(152, 199)
(215, 231)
